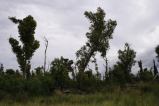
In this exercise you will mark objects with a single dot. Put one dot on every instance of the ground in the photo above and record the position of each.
(119, 97)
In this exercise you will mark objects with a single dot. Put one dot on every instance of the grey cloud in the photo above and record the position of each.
(64, 24)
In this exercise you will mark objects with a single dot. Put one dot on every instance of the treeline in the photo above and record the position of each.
(68, 75)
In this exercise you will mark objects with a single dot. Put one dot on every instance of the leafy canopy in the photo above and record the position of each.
(98, 38)
(24, 50)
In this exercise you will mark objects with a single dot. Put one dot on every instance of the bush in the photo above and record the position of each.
(42, 85)
(12, 84)
(87, 81)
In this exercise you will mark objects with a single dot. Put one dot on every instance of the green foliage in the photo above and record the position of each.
(25, 51)
(60, 69)
(117, 75)
(126, 58)
(15, 85)
(11, 84)
(39, 71)
(140, 65)
(98, 41)
(10, 72)
(1, 69)
(121, 72)
(157, 51)
(61, 75)
(146, 75)
(98, 38)
(100, 31)
(88, 82)
(42, 85)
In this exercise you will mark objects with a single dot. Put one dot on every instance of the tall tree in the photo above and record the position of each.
(122, 70)
(98, 38)
(140, 66)
(25, 48)
(60, 69)
(127, 58)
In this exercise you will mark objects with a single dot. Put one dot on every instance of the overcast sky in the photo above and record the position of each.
(63, 23)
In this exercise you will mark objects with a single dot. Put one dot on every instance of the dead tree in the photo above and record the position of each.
(46, 46)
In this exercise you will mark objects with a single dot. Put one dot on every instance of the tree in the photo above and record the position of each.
(140, 65)
(122, 70)
(25, 49)
(60, 69)
(155, 68)
(98, 38)
(127, 58)
(157, 52)
(1, 69)
(10, 72)
(146, 75)
(39, 71)
(46, 46)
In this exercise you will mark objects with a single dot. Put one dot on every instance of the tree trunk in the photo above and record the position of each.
(87, 61)
(46, 46)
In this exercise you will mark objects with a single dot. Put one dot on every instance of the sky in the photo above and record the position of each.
(63, 23)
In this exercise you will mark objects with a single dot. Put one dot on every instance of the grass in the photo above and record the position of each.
(127, 97)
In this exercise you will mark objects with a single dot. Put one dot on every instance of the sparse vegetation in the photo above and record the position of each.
(69, 83)
(144, 95)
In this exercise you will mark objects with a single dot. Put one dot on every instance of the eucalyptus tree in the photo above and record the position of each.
(25, 47)
(127, 58)
(122, 69)
(100, 31)
(60, 68)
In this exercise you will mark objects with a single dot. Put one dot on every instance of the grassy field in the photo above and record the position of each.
(118, 97)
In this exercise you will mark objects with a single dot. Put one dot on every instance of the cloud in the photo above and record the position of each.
(64, 24)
